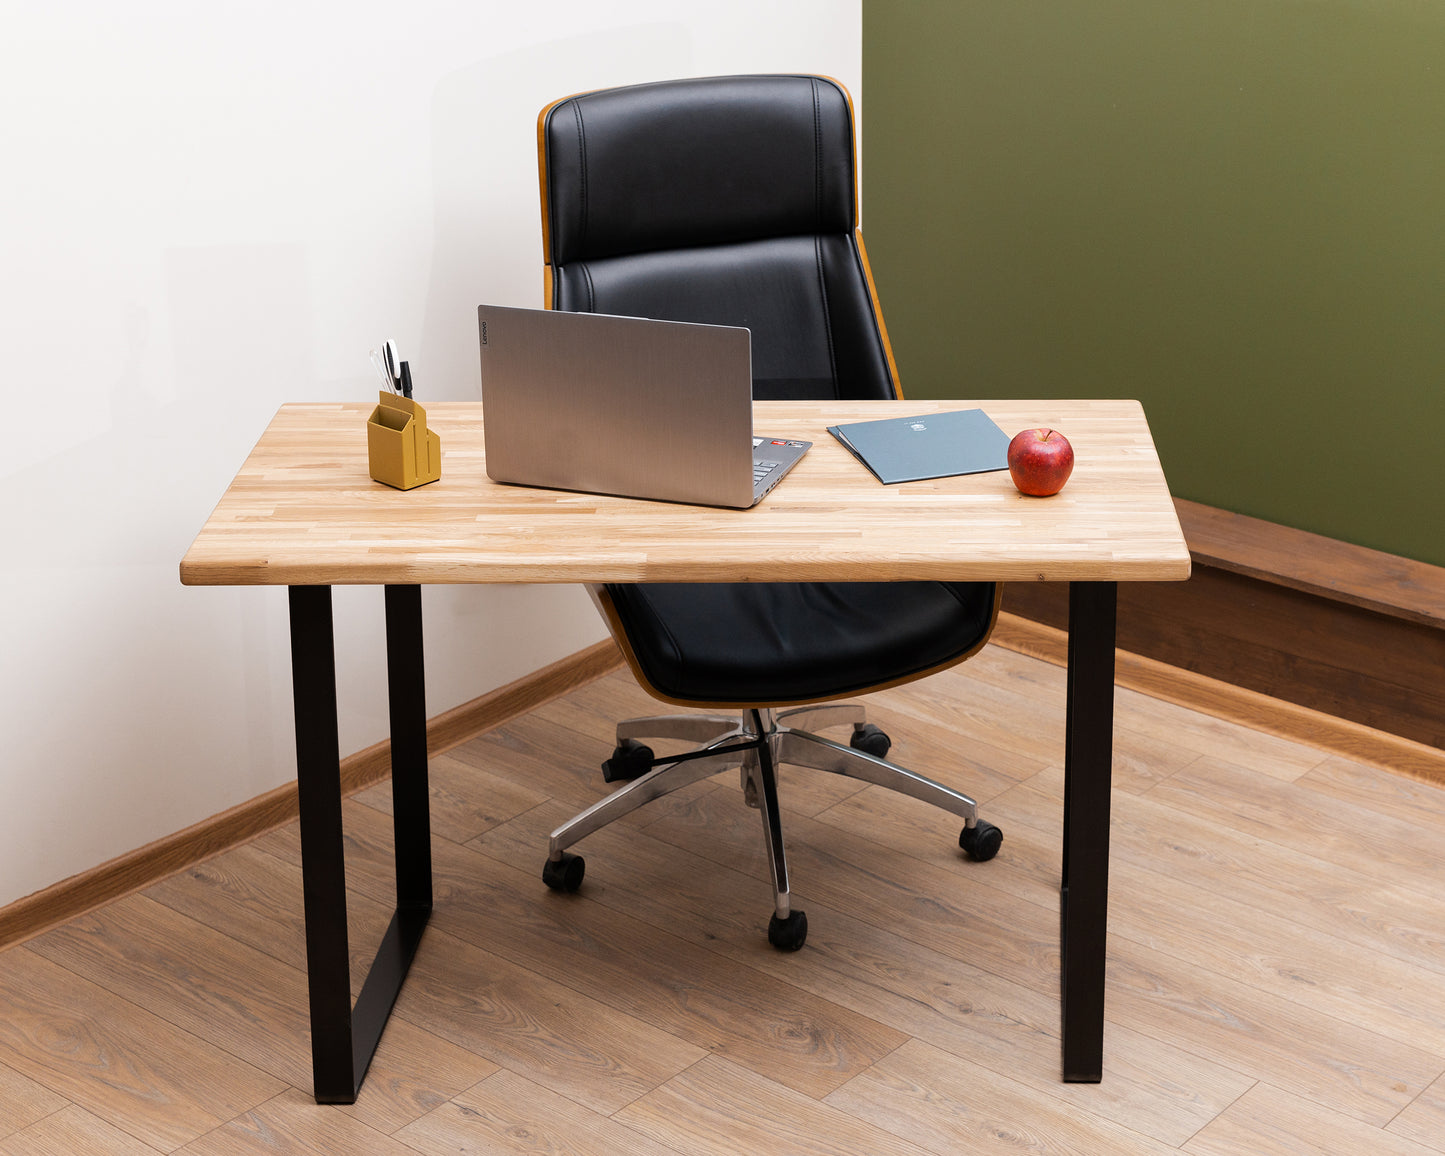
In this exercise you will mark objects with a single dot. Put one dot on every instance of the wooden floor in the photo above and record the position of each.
(1276, 972)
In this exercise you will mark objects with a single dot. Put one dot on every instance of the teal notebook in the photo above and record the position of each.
(931, 445)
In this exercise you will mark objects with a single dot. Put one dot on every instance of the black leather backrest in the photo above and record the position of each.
(727, 200)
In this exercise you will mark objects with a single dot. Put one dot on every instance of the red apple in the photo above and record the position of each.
(1040, 461)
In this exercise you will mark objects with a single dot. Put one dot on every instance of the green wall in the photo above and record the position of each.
(1233, 210)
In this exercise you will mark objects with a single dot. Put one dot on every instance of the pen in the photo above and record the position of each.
(405, 379)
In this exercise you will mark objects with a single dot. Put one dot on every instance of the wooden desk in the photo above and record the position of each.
(303, 512)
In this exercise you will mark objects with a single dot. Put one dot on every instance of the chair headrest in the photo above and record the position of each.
(684, 163)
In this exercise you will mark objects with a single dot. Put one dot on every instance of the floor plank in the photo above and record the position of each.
(1280, 957)
(1015, 731)
(555, 1036)
(1271, 1122)
(465, 801)
(256, 898)
(1184, 729)
(291, 1124)
(1360, 785)
(71, 1131)
(506, 1113)
(945, 1104)
(211, 985)
(1359, 1073)
(719, 1109)
(1144, 752)
(1371, 915)
(1383, 847)
(125, 1065)
(23, 1101)
(1424, 1120)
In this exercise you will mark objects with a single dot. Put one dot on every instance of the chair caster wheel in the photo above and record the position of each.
(871, 741)
(564, 874)
(630, 760)
(981, 841)
(788, 934)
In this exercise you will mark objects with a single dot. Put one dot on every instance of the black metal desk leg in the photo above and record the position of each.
(411, 806)
(1088, 778)
(343, 1040)
(323, 868)
(411, 822)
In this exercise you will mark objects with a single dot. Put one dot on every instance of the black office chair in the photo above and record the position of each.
(732, 201)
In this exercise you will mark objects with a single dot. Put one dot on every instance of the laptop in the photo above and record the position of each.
(626, 406)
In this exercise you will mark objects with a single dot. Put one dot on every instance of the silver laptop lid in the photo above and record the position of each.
(618, 405)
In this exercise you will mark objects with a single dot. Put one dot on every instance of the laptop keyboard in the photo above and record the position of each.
(769, 470)
(761, 466)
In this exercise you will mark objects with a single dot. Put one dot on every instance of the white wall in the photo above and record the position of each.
(210, 209)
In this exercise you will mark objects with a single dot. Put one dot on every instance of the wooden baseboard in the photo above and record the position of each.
(139, 868)
(1323, 624)
(1236, 703)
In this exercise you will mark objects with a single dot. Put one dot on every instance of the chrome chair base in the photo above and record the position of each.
(757, 743)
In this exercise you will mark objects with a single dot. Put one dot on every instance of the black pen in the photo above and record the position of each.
(405, 379)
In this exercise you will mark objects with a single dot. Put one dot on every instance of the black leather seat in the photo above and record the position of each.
(776, 643)
(733, 200)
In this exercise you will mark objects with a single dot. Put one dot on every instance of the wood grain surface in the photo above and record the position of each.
(1276, 960)
(304, 510)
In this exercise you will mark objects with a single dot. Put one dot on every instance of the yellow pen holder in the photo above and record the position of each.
(403, 453)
